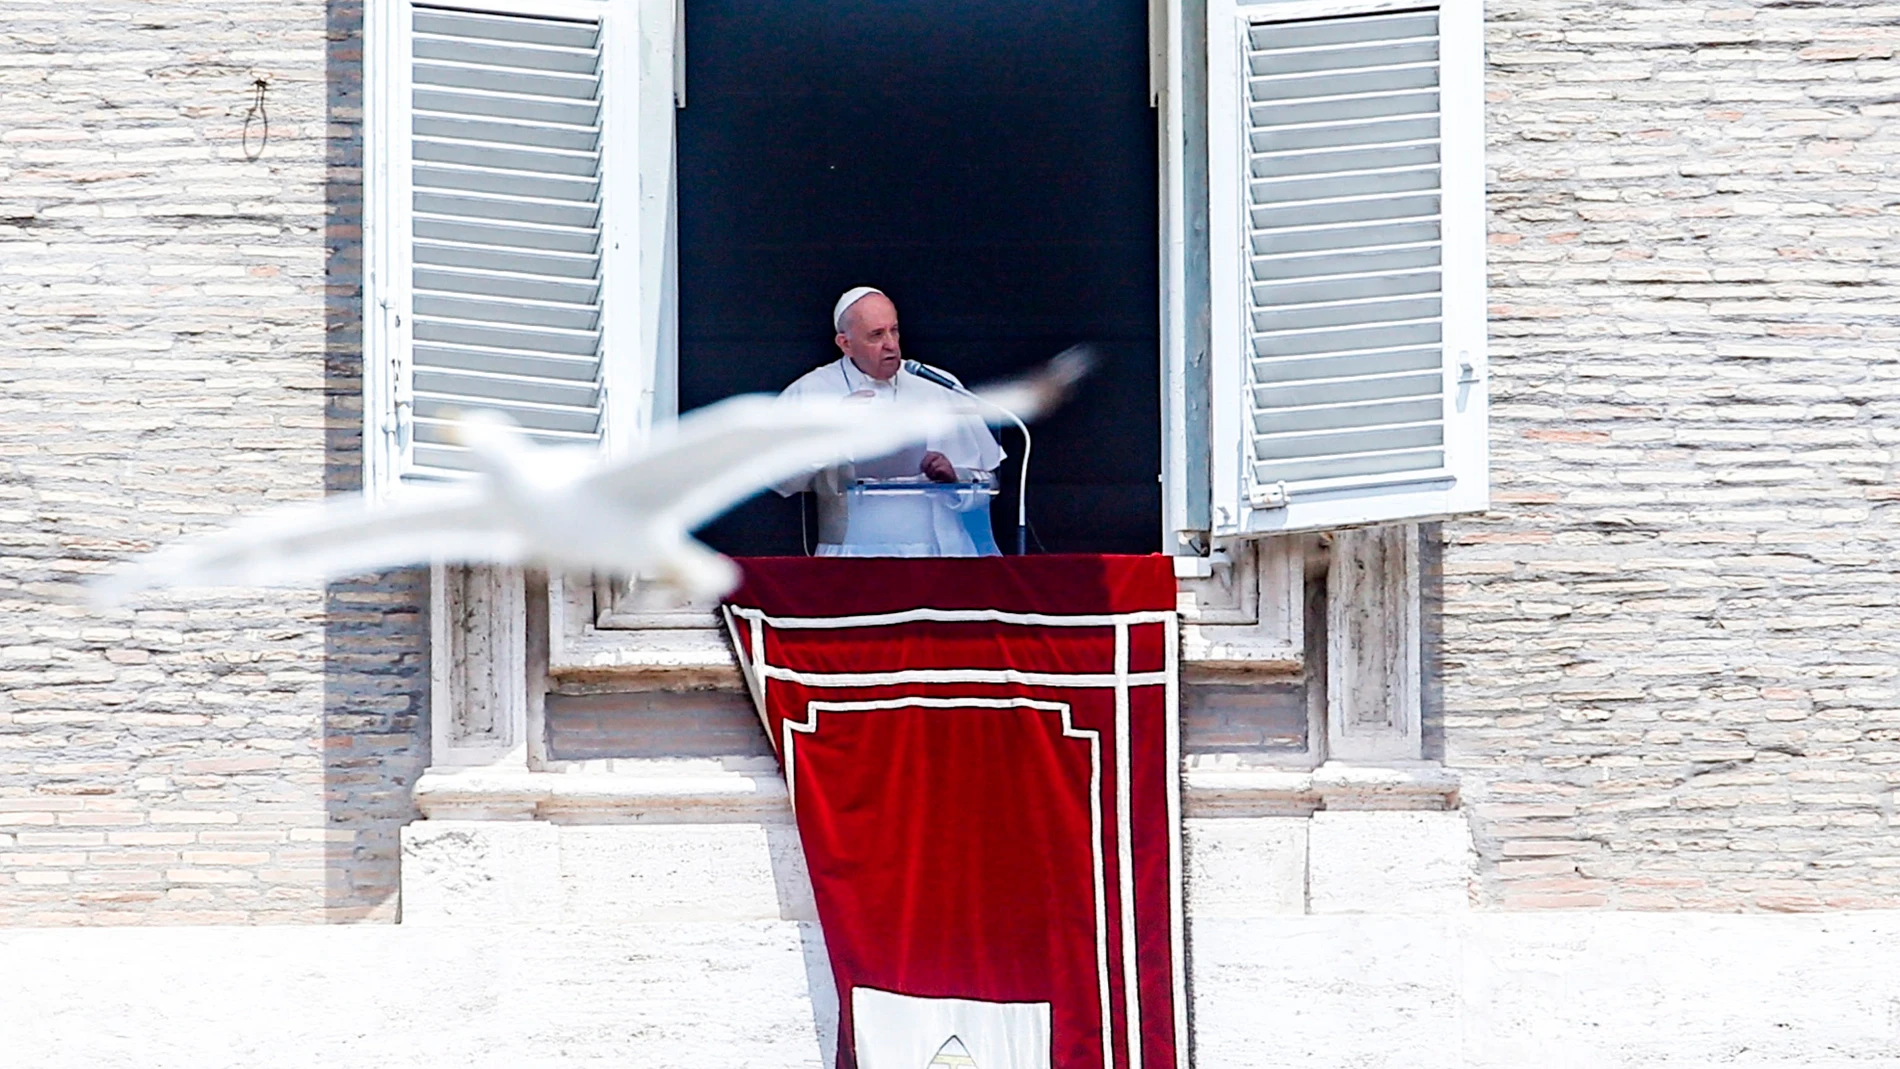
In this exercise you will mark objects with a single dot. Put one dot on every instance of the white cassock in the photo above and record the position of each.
(929, 523)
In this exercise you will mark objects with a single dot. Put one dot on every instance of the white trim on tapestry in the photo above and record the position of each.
(953, 616)
(1177, 910)
(961, 675)
(1125, 846)
(747, 655)
(1124, 826)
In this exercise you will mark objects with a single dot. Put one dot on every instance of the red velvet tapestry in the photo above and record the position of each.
(982, 756)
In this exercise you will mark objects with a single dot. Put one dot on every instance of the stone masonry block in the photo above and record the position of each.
(471, 872)
(1245, 866)
(1389, 862)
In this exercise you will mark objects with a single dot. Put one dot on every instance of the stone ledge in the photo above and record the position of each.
(1261, 792)
(668, 794)
(1203, 649)
(751, 791)
(656, 657)
(651, 658)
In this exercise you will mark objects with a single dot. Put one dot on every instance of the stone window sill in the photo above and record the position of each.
(751, 790)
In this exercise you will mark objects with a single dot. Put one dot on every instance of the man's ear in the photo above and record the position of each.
(842, 342)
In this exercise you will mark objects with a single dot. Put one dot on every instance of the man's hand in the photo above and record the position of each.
(938, 467)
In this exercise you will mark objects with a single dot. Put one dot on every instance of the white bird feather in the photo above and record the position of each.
(563, 509)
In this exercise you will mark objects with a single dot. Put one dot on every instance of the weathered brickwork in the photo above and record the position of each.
(1673, 651)
(179, 343)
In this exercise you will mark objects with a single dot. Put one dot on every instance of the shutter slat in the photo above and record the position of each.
(1275, 37)
(1345, 262)
(522, 57)
(1280, 293)
(1371, 440)
(1336, 109)
(530, 416)
(578, 114)
(525, 313)
(1342, 365)
(1345, 57)
(1341, 134)
(515, 287)
(509, 361)
(506, 147)
(1316, 239)
(1346, 290)
(1343, 391)
(1332, 417)
(506, 158)
(1280, 165)
(1343, 466)
(462, 332)
(566, 33)
(550, 213)
(1360, 210)
(489, 258)
(506, 80)
(1321, 187)
(543, 135)
(1344, 315)
(507, 183)
(1385, 80)
(506, 388)
(1342, 341)
(472, 232)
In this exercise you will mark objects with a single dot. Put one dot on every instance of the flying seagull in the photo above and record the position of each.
(564, 509)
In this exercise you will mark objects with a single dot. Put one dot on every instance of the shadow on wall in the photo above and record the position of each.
(1432, 661)
(375, 632)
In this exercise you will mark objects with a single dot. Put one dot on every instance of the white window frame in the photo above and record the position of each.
(1464, 484)
(1178, 87)
(640, 83)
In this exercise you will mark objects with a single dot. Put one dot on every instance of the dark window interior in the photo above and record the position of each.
(990, 164)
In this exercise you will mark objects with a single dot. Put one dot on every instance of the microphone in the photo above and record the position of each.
(931, 374)
(942, 378)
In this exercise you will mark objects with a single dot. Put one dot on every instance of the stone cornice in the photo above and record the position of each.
(750, 792)
(659, 796)
(1251, 792)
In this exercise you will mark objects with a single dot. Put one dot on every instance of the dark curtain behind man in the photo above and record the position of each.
(990, 164)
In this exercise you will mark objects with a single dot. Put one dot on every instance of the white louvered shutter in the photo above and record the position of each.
(499, 213)
(505, 246)
(1346, 222)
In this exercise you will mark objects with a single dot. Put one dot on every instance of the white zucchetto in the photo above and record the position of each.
(851, 297)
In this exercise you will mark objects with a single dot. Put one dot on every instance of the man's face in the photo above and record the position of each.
(869, 337)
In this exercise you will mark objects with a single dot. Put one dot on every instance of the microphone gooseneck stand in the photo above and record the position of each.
(931, 374)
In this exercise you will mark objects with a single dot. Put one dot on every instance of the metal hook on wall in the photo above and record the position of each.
(257, 115)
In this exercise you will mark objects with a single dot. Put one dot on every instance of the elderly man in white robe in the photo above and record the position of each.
(930, 500)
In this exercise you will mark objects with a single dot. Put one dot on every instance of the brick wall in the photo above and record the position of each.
(1673, 652)
(178, 343)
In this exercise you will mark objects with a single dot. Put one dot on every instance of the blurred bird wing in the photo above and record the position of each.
(717, 456)
(1032, 396)
(323, 540)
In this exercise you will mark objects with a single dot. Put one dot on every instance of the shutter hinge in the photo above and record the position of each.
(1268, 497)
(401, 403)
(1466, 371)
